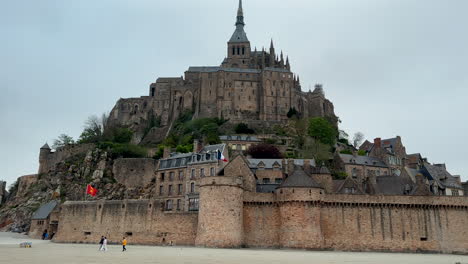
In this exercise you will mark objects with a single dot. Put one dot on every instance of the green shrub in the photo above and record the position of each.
(346, 151)
(243, 128)
(120, 150)
(362, 152)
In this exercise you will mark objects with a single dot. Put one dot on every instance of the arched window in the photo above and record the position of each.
(238, 50)
(243, 50)
(233, 50)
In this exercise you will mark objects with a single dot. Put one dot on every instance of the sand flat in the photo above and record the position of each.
(53, 253)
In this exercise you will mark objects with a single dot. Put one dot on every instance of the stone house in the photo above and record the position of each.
(391, 151)
(178, 175)
(441, 181)
(359, 167)
(45, 218)
(239, 143)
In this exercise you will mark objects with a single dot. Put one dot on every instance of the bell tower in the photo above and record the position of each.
(238, 53)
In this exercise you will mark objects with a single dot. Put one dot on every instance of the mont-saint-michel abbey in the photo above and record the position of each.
(249, 85)
(191, 188)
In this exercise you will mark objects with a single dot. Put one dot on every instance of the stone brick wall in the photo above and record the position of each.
(358, 223)
(141, 221)
(221, 212)
(47, 161)
(134, 172)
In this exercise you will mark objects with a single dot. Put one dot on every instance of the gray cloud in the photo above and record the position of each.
(391, 67)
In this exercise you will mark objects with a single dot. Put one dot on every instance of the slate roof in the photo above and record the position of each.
(299, 179)
(362, 160)
(386, 144)
(218, 68)
(177, 160)
(266, 188)
(44, 211)
(239, 138)
(268, 163)
(394, 185)
(440, 175)
(239, 35)
(46, 146)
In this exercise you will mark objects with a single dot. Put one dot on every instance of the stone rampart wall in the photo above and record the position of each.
(141, 221)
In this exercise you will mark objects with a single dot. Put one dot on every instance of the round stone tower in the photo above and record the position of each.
(43, 157)
(299, 199)
(220, 216)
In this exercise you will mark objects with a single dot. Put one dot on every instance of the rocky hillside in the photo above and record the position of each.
(66, 181)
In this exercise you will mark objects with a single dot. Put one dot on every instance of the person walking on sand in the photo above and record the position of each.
(101, 242)
(104, 244)
(124, 244)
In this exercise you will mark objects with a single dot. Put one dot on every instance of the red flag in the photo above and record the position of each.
(91, 190)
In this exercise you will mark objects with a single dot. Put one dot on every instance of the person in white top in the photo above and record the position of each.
(104, 244)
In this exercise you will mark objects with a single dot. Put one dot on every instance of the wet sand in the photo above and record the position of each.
(53, 253)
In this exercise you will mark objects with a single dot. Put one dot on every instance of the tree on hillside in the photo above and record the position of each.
(321, 130)
(243, 128)
(357, 139)
(264, 151)
(93, 129)
(62, 140)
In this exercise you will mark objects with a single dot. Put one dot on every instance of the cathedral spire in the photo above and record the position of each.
(239, 34)
(240, 15)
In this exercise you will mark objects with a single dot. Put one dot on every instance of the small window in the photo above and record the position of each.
(129, 234)
(202, 172)
(193, 204)
(179, 189)
(169, 190)
(181, 175)
(192, 175)
(212, 171)
(266, 180)
(161, 190)
(169, 205)
(278, 180)
(162, 176)
(171, 176)
(192, 187)
(178, 204)
(87, 233)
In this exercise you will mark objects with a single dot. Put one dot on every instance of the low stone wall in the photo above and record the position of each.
(141, 221)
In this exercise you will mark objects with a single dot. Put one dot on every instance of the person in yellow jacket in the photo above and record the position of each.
(124, 244)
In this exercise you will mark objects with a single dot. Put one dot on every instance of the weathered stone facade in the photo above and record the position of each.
(48, 158)
(300, 213)
(249, 85)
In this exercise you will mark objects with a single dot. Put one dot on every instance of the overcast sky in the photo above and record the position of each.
(391, 67)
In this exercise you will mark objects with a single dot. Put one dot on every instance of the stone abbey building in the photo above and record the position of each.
(249, 85)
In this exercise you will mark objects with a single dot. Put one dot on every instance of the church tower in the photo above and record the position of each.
(238, 53)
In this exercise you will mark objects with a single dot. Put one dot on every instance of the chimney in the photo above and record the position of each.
(283, 165)
(290, 166)
(167, 152)
(197, 146)
(307, 167)
(377, 142)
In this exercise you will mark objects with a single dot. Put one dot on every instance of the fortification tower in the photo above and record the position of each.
(43, 157)
(299, 199)
(220, 217)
